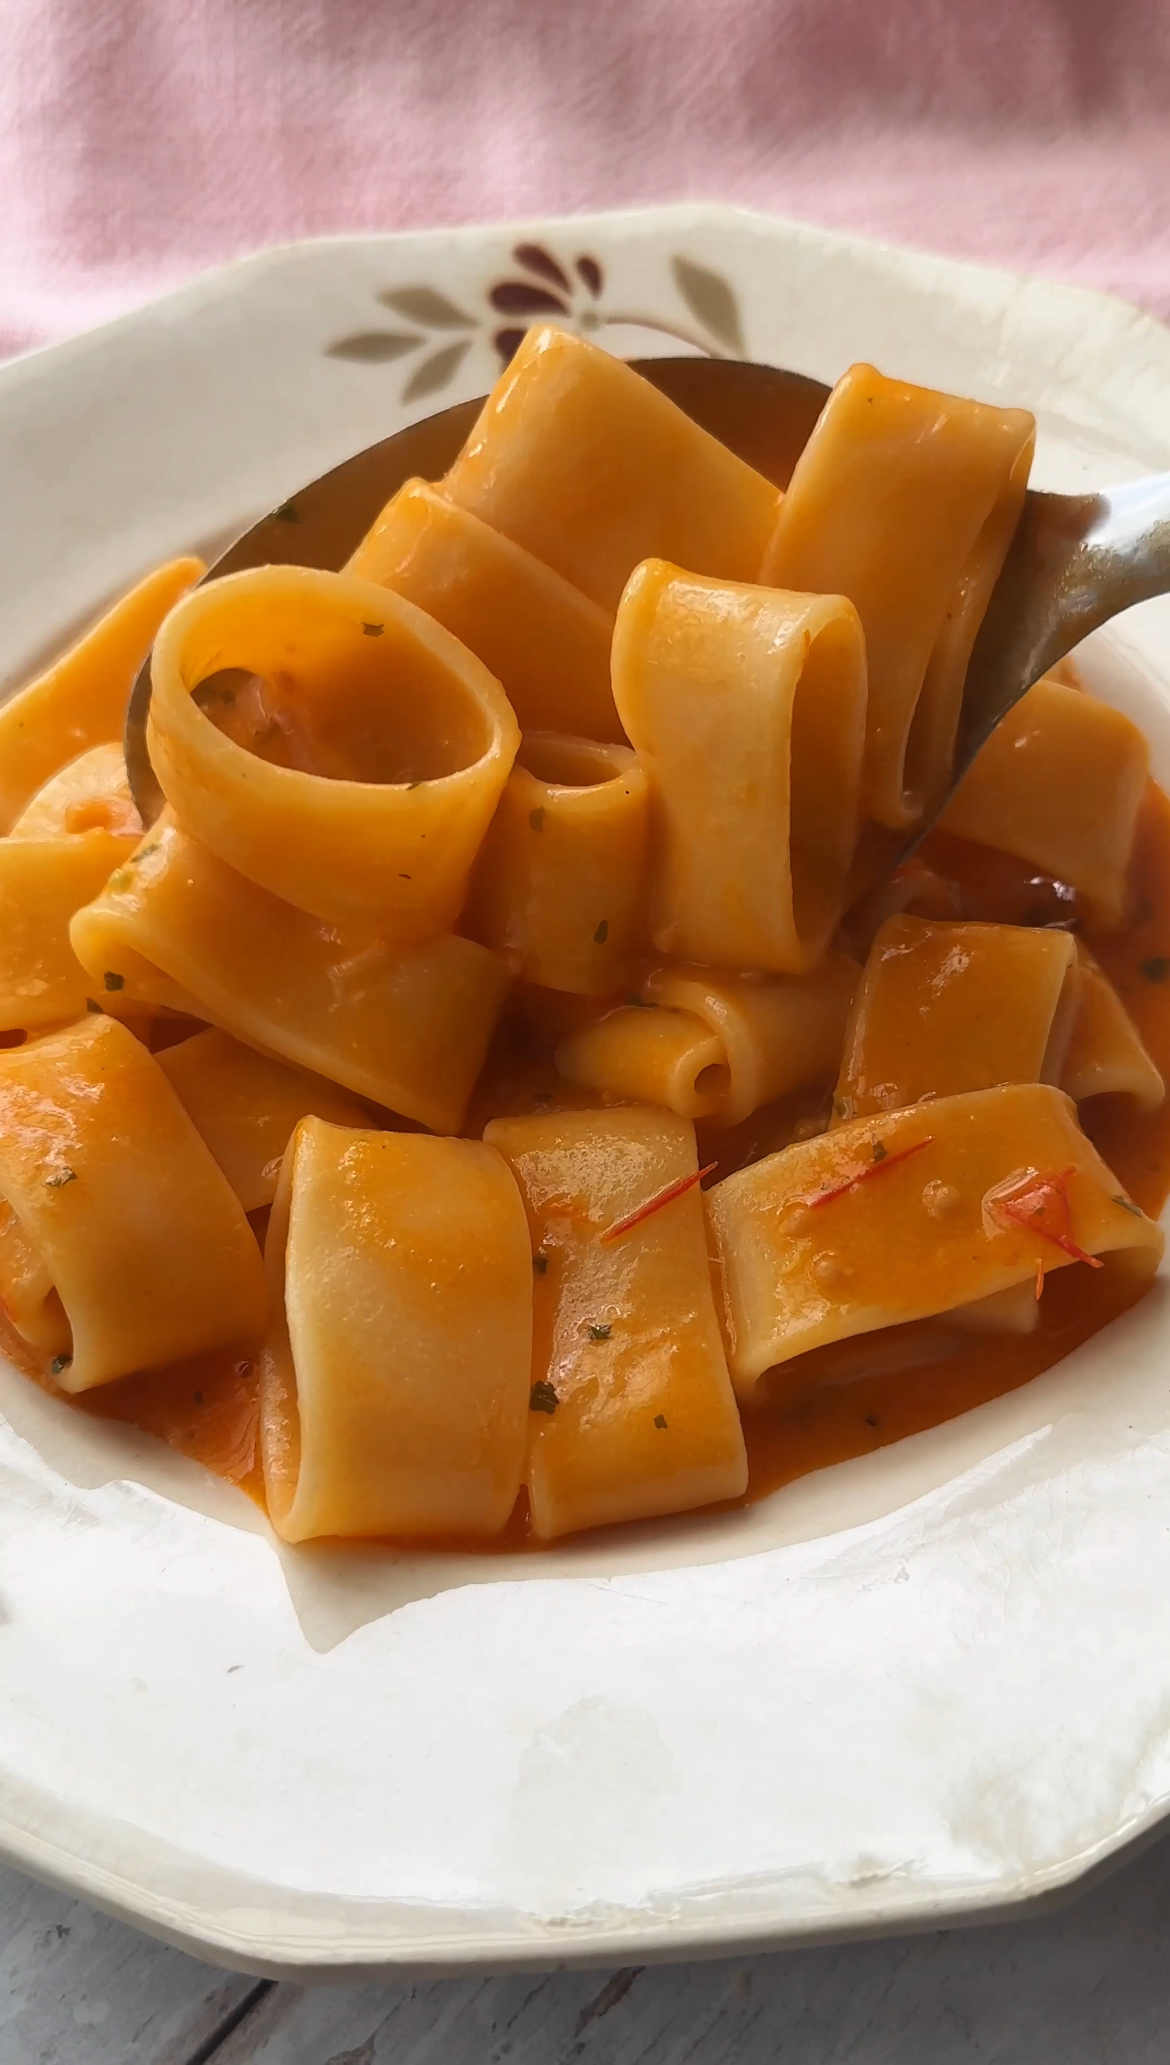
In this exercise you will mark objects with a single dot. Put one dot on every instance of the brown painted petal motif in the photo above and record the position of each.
(534, 258)
(516, 297)
(507, 343)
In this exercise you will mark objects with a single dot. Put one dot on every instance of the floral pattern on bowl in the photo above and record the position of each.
(542, 288)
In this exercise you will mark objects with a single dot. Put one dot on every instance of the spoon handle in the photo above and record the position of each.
(1075, 562)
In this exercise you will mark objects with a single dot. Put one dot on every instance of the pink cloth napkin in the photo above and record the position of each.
(141, 140)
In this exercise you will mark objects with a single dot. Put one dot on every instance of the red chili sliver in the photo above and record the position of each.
(1039, 1204)
(877, 1168)
(655, 1203)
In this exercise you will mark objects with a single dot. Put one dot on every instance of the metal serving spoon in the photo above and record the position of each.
(1075, 560)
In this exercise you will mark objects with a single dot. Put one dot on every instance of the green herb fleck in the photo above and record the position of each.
(1127, 1205)
(287, 513)
(879, 1152)
(660, 1419)
(542, 1398)
(60, 1179)
(59, 1363)
(143, 853)
(113, 981)
(536, 819)
(602, 933)
(540, 1262)
(1157, 968)
(92, 1005)
(413, 785)
(402, 877)
(870, 1421)
(373, 630)
(599, 1331)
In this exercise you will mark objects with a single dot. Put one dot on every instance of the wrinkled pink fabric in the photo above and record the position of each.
(142, 140)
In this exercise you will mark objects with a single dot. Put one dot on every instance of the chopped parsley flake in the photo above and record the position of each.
(602, 933)
(59, 1363)
(542, 1398)
(1127, 1205)
(373, 630)
(540, 1262)
(113, 981)
(660, 1419)
(879, 1152)
(599, 1331)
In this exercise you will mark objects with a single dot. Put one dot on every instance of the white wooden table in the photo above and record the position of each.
(1089, 1985)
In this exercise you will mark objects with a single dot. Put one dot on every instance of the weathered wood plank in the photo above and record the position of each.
(1087, 1986)
(78, 1989)
(1082, 1987)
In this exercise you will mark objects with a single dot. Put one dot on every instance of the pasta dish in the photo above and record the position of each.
(506, 1092)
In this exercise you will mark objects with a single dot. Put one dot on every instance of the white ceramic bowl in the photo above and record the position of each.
(926, 1685)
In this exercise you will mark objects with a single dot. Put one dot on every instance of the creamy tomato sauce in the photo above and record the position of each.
(887, 1385)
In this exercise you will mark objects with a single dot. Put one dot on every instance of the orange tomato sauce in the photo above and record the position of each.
(912, 1378)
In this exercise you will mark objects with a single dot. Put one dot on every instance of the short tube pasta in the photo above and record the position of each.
(648, 1055)
(246, 1107)
(776, 1035)
(546, 643)
(905, 500)
(589, 468)
(1106, 1055)
(632, 1409)
(143, 1244)
(407, 1029)
(396, 1366)
(89, 794)
(560, 885)
(43, 883)
(1059, 783)
(746, 708)
(80, 701)
(60, 852)
(907, 1214)
(712, 1045)
(352, 761)
(942, 1008)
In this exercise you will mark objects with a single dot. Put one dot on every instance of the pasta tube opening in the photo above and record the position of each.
(746, 707)
(546, 642)
(353, 762)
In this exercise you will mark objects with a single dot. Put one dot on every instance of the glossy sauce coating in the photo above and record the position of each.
(207, 1408)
